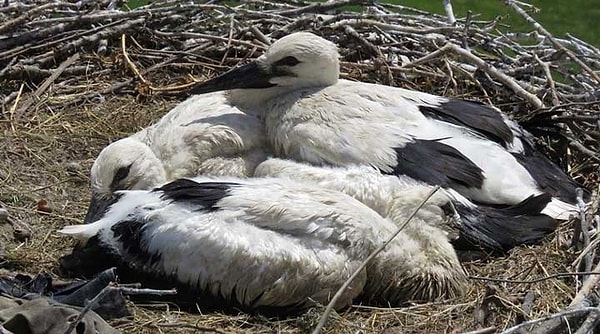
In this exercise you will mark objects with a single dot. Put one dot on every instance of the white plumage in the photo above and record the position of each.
(390, 196)
(191, 133)
(203, 135)
(313, 116)
(427, 249)
(272, 242)
(208, 135)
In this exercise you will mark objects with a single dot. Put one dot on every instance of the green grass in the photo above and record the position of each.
(580, 18)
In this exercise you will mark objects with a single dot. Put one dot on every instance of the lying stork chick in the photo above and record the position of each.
(201, 136)
(313, 116)
(255, 242)
(269, 243)
(396, 197)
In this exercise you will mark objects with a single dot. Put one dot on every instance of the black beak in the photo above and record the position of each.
(246, 76)
(98, 208)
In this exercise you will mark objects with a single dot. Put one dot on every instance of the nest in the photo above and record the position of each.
(76, 76)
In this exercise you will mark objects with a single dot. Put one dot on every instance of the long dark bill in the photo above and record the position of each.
(246, 76)
(98, 208)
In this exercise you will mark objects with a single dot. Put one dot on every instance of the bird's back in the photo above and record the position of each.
(204, 135)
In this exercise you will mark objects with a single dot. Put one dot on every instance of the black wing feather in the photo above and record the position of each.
(474, 115)
(502, 229)
(436, 163)
(129, 233)
(547, 175)
(204, 194)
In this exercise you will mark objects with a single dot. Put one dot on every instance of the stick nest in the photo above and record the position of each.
(76, 76)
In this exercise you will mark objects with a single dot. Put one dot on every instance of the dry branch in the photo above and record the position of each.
(44, 86)
(505, 79)
(554, 42)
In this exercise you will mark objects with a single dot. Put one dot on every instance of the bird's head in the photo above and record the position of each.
(126, 164)
(297, 60)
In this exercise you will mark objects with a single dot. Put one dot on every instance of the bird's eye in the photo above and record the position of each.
(120, 175)
(287, 61)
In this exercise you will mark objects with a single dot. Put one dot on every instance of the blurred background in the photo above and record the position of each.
(580, 18)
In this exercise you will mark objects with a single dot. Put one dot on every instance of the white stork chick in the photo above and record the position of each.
(203, 135)
(266, 243)
(312, 116)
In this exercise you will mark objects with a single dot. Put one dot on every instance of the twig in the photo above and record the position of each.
(588, 286)
(137, 291)
(68, 48)
(551, 38)
(373, 51)
(103, 43)
(489, 69)
(45, 85)
(575, 143)
(578, 302)
(593, 49)
(319, 7)
(7, 67)
(589, 324)
(567, 313)
(12, 110)
(209, 37)
(549, 80)
(589, 248)
(449, 12)
(486, 330)
(581, 207)
(188, 325)
(54, 30)
(394, 27)
(466, 30)
(410, 9)
(131, 65)
(87, 308)
(229, 38)
(27, 15)
(261, 37)
(537, 280)
(363, 265)
(386, 35)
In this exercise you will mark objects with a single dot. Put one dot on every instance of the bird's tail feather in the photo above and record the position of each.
(500, 229)
(560, 210)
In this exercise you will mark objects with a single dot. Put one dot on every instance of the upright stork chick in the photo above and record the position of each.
(312, 116)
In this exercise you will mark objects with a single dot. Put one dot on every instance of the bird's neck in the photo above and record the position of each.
(252, 100)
